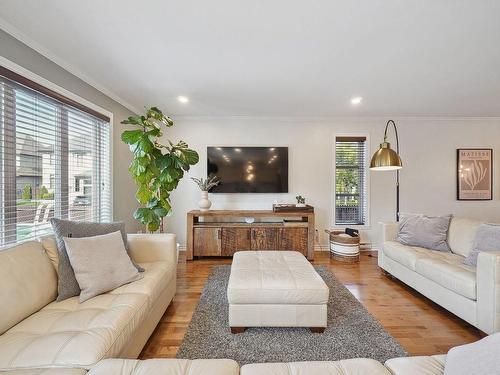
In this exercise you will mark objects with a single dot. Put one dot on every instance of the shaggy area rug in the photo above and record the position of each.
(352, 332)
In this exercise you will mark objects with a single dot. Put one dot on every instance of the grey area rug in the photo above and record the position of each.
(352, 332)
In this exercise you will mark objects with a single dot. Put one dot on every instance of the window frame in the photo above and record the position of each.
(333, 210)
(71, 97)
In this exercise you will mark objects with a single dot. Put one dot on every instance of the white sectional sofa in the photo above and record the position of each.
(472, 293)
(38, 332)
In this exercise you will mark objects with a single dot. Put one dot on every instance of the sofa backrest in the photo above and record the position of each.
(461, 235)
(28, 282)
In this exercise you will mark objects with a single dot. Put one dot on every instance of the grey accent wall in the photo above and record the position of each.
(123, 187)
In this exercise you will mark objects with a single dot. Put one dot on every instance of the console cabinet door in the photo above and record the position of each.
(293, 239)
(265, 239)
(207, 241)
(235, 239)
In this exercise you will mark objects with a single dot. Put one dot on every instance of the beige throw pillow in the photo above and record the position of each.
(101, 263)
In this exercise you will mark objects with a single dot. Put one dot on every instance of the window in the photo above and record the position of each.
(350, 181)
(47, 142)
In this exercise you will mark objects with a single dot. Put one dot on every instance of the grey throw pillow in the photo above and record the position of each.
(429, 232)
(487, 239)
(67, 286)
(101, 263)
(479, 358)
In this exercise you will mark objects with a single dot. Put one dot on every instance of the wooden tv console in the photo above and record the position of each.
(217, 235)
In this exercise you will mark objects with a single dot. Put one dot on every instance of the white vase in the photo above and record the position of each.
(204, 203)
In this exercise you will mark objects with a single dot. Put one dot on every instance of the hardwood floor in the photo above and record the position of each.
(421, 326)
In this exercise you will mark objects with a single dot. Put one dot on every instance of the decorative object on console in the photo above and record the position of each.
(386, 159)
(344, 247)
(474, 174)
(429, 232)
(205, 185)
(301, 201)
(285, 207)
(155, 168)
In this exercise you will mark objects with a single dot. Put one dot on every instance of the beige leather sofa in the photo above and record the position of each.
(431, 365)
(471, 293)
(38, 332)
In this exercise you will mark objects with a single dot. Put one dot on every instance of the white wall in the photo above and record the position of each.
(428, 179)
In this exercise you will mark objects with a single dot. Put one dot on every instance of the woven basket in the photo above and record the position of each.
(343, 247)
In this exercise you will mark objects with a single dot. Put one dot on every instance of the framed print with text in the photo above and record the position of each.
(474, 174)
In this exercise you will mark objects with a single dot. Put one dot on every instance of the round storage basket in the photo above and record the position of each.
(343, 247)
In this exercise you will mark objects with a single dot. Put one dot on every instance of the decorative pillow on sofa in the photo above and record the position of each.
(424, 231)
(100, 263)
(479, 358)
(67, 286)
(487, 239)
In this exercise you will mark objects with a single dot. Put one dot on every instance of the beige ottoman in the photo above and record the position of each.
(275, 289)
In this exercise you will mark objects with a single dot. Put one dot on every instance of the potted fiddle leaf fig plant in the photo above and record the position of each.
(156, 168)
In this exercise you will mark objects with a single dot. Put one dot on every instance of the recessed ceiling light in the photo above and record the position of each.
(183, 99)
(356, 100)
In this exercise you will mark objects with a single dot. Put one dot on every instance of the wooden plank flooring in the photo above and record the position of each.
(421, 326)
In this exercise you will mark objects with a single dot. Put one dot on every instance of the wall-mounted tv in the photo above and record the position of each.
(249, 169)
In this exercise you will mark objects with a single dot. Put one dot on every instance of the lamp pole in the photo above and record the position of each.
(391, 122)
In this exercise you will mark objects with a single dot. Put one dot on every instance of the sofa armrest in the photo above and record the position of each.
(488, 291)
(389, 230)
(145, 248)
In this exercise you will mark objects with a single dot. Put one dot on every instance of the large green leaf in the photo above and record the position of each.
(190, 156)
(131, 137)
(134, 120)
(163, 161)
(143, 194)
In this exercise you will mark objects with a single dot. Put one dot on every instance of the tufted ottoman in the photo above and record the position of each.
(275, 289)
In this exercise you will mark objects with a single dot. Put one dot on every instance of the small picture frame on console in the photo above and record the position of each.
(474, 174)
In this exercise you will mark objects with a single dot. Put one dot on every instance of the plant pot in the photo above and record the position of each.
(204, 203)
(300, 205)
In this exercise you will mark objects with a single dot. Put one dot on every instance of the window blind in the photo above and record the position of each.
(350, 181)
(54, 162)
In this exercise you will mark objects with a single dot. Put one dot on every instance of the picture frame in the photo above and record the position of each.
(474, 174)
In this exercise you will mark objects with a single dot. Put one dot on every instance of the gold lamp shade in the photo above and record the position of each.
(386, 159)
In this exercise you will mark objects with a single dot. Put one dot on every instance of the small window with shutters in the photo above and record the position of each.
(54, 160)
(350, 181)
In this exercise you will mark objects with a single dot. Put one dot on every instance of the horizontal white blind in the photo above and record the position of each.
(350, 181)
(54, 162)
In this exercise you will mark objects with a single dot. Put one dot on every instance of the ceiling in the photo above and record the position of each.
(275, 57)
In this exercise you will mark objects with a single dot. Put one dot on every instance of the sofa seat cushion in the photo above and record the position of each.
(275, 277)
(72, 334)
(356, 366)
(156, 276)
(166, 367)
(424, 365)
(449, 271)
(405, 255)
(46, 371)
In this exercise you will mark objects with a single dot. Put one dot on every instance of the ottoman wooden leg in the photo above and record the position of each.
(236, 330)
(317, 329)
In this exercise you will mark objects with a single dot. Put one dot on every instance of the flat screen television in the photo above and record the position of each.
(249, 169)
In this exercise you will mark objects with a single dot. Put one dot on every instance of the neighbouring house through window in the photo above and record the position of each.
(54, 160)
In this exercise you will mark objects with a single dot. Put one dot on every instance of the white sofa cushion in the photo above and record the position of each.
(424, 365)
(461, 235)
(166, 367)
(72, 334)
(405, 255)
(28, 283)
(358, 366)
(46, 371)
(274, 277)
(448, 270)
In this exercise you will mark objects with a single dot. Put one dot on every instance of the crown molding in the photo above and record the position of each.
(23, 38)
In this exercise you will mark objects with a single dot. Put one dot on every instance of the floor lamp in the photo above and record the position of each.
(386, 159)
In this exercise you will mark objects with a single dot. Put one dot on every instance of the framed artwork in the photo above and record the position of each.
(474, 174)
